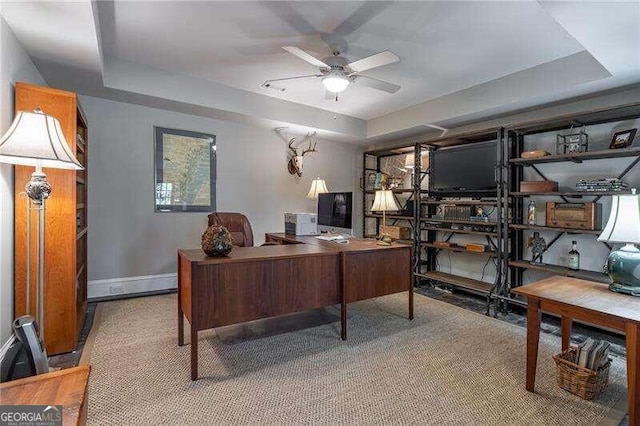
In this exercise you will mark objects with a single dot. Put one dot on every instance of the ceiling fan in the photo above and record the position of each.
(337, 74)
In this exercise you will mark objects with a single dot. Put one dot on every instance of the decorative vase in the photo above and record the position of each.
(623, 266)
(217, 241)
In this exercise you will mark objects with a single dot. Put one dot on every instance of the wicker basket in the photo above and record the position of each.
(585, 383)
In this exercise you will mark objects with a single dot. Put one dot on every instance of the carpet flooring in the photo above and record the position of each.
(448, 366)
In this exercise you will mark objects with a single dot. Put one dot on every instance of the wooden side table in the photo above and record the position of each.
(590, 302)
(65, 387)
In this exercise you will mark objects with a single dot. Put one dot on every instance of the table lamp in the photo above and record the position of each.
(317, 187)
(384, 201)
(623, 265)
(36, 139)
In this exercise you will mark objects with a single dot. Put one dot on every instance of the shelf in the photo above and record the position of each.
(578, 157)
(562, 270)
(80, 180)
(389, 216)
(79, 206)
(458, 281)
(570, 194)
(461, 202)
(549, 228)
(463, 222)
(459, 249)
(460, 231)
(395, 191)
(81, 233)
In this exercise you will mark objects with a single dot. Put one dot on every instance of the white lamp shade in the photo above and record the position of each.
(317, 187)
(36, 139)
(385, 201)
(624, 221)
(335, 83)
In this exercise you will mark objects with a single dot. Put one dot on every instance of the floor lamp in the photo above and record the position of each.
(36, 139)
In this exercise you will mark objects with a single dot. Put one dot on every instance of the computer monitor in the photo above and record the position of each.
(335, 212)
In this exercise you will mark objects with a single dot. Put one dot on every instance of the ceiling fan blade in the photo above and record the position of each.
(374, 83)
(305, 56)
(379, 59)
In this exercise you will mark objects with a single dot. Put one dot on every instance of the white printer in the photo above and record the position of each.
(301, 223)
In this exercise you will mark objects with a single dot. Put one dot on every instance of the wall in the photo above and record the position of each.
(15, 65)
(132, 248)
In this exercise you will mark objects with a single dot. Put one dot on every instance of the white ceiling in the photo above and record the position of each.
(458, 59)
(239, 44)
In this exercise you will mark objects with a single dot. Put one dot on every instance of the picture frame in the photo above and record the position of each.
(622, 139)
(185, 171)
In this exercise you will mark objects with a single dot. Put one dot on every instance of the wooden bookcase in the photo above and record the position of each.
(66, 225)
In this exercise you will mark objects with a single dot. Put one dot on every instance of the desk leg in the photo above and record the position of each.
(343, 298)
(565, 325)
(194, 353)
(633, 372)
(180, 325)
(180, 313)
(533, 337)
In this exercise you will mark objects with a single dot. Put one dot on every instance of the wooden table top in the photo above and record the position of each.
(246, 254)
(583, 294)
(355, 243)
(65, 387)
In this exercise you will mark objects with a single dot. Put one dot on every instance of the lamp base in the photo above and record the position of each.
(623, 266)
(385, 240)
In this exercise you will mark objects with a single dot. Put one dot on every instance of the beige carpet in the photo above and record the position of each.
(448, 366)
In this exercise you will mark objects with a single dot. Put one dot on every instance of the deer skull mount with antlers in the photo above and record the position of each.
(295, 162)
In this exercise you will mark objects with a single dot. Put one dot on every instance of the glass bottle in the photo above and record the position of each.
(531, 213)
(573, 259)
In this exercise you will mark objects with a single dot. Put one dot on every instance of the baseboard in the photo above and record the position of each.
(130, 285)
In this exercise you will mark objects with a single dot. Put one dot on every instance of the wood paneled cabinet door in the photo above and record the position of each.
(65, 290)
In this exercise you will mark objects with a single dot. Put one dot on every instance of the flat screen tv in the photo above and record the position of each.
(467, 170)
(335, 212)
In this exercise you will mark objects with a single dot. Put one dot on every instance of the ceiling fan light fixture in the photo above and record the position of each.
(336, 83)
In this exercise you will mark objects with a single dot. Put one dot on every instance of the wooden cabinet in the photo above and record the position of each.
(66, 225)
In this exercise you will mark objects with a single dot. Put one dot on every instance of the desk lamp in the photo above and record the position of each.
(623, 265)
(36, 139)
(384, 201)
(317, 187)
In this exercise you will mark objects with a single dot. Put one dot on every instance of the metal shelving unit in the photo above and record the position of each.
(506, 240)
(514, 146)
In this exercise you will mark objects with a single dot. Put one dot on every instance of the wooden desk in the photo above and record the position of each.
(590, 302)
(65, 387)
(261, 282)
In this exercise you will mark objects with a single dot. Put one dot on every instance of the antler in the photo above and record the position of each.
(310, 149)
(295, 152)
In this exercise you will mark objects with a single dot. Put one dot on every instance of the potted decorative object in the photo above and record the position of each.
(217, 241)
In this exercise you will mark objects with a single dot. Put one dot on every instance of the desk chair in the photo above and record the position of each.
(237, 224)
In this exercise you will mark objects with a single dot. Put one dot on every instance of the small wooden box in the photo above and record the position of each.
(574, 215)
(396, 232)
(538, 186)
(476, 247)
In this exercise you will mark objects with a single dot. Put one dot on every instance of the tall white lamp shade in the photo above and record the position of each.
(317, 187)
(36, 139)
(623, 227)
